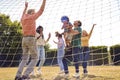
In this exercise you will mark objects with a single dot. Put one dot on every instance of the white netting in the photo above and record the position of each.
(104, 13)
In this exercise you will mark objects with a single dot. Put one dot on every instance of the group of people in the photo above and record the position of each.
(75, 43)
(77, 46)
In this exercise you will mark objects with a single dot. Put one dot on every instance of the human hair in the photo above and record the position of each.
(30, 11)
(79, 23)
(57, 34)
(38, 30)
(84, 33)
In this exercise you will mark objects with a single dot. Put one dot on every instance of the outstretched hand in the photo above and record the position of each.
(26, 4)
(94, 24)
(55, 42)
(49, 35)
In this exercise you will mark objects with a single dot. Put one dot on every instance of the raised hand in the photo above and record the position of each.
(49, 35)
(26, 4)
(94, 24)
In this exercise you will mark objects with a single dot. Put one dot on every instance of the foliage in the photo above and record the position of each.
(10, 35)
(98, 49)
(115, 48)
(47, 47)
(115, 53)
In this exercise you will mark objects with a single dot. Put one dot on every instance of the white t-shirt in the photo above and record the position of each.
(40, 41)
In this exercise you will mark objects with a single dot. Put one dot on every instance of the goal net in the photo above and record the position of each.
(104, 42)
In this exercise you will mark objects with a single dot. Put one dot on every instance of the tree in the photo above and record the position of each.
(10, 41)
(10, 35)
(47, 47)
(115, 53)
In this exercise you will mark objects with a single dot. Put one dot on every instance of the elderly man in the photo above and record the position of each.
(28, 41)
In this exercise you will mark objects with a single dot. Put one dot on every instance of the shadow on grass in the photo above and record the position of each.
(96, 77)
(58, 77)
(88, 77)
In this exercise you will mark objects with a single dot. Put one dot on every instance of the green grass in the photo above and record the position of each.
(95, 73)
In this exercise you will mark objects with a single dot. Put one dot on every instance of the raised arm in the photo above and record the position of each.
(40, 11)
(55, 42)
(91, 30)
(25, 9)
(48, 38)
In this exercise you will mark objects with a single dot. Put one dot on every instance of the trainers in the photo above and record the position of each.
(32, 73)
(18, 78)
(61, 72)
(66, 75)
(85, 71)
(25, 77)
(76, 75)
(32, 76)
(85, 74)
(39, 73)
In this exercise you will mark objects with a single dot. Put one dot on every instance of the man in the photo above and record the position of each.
(76, 45)
(73, 49)
(28, 41)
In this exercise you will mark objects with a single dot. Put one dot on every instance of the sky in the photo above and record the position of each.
(104, 13)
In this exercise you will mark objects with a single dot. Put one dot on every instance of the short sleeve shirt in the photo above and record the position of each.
(76, 40)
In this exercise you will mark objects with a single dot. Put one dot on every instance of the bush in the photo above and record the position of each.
(115, 53)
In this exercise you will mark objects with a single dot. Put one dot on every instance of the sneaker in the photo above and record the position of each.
(85, 74)
(32, 73)
(18, 78)
(39, 73)
(76, 75)
(66, 75)
(32, 76)
(85, 71)
(61, 72)
(25, 77)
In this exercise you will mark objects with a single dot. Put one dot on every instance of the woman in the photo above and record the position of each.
(85, 49)
(40, 41)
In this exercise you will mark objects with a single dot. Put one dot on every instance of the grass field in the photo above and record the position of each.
(95, 73)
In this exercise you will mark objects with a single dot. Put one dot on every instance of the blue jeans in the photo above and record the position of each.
(76, 53)
(67, 56)
(41, 56)
(84, 57)
(60, 55)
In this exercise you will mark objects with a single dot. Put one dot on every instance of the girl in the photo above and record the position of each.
(60, 51)
(40, 41)
(85, 48)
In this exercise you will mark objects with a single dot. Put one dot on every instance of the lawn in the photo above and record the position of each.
(50, 72)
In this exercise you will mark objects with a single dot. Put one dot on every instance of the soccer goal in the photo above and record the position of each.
(104, 42)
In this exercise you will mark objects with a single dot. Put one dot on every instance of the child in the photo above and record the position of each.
(67, 26)
(40, 41)
(60, 51)
(66, 23)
